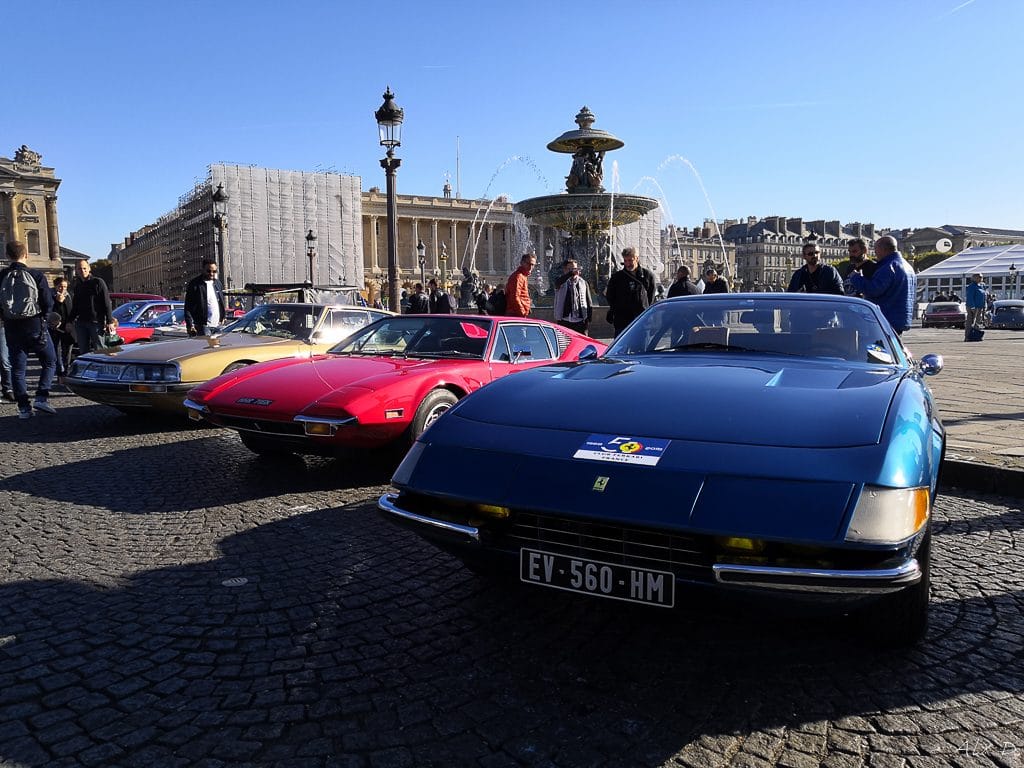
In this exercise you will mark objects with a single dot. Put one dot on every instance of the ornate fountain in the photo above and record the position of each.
(585, 211)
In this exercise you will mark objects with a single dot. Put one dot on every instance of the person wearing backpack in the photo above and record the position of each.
(25, 302)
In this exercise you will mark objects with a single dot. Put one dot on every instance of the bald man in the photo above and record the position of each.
(893, 286)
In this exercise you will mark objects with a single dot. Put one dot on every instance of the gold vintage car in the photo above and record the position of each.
(146, 376)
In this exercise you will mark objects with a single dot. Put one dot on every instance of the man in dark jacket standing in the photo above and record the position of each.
(419, 302)
(630, 291)
(205, 308)
(25, 328)
(682, 286)
(815, 277)
(90, 308)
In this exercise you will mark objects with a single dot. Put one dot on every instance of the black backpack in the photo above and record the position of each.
(19, 295)
(496, 304)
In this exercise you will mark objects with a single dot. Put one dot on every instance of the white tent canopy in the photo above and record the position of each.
(999, 264)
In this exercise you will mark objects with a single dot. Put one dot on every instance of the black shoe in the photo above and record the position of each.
(9, 396)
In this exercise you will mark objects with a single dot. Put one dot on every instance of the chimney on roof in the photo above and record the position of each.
(751, 221)
(796, 225)
(869, 231)
(858, 229)
(833, 228)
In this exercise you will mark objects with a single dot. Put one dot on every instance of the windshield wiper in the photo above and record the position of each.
(728, 348)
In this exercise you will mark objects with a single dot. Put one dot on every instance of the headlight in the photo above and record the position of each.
(888, 515)
(146, 373)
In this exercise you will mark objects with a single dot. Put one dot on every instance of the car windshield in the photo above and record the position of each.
(420, 336)
(768, 325)
(171, 317)
(125, 312)
(285, 321)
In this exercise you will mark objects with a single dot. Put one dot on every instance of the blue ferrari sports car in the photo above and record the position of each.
(764, 443)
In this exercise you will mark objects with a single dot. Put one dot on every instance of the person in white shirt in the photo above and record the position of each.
(573, 306)
(205, 308)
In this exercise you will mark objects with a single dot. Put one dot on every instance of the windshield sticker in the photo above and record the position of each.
(473, 331)
(622, 449)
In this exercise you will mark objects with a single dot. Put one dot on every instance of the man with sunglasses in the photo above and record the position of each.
(205, 308)
(859, 262)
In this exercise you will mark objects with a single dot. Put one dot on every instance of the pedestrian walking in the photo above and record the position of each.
(60, 328)
(90, 316)
(26, 302)
(977, 303)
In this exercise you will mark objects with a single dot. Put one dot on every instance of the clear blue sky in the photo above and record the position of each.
(898, 112)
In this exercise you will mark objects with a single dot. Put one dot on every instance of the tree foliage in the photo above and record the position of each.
(104, 270)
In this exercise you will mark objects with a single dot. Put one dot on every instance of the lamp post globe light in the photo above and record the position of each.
(421, 255)
(310, 252)
(389, 123)
(220, 223)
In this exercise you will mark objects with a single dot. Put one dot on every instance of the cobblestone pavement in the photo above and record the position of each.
(126, 637)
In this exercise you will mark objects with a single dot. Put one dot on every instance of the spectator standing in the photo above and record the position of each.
(60, 328)
(419, 302)
(441, 303)
(5, 366)
(713, 283)
(517, 288)
(90, 315)
(892, 287)
(815, 277)
(630, 291)
(977, 303)
(859, 261)
(682, 286)
(205, 307)
(26, 302)
(573, 306)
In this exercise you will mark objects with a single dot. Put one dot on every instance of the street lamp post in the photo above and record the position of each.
(389, 123)
(548, 265)
(220, 223)
(443, 258)
(1013, 280)
(676, 260)
(310, 253)
(421, 255)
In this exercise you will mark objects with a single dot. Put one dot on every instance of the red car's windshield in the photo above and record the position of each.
(420, 336)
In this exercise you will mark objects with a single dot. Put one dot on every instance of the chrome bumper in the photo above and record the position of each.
(466, 532)
(820, 580)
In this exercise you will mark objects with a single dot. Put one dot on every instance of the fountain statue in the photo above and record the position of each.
(585, 210)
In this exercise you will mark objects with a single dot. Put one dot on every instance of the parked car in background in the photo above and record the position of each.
(117, 299)
(1008, 314)
(170, 325)
(144, 376)
(142, 315)
(383, 385)
(944, 314)
(775, 445)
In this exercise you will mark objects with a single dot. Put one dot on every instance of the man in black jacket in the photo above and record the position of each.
(682, 286)
(25, 329)
(815, 277)
(90, 308)
(205, 308)
(630, 291)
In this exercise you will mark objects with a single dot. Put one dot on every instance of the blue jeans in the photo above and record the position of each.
(24, 338)
(5, 362)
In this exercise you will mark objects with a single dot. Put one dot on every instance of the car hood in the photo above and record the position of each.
(797, 404)
(294, 384)
(178, 349)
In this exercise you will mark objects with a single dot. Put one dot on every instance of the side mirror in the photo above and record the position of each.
(589, 352)
(930, 364)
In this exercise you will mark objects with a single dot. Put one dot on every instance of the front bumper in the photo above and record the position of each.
(137, 395)
(687, 557)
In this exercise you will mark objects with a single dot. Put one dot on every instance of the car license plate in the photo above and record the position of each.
(593, 577)
(103, 372)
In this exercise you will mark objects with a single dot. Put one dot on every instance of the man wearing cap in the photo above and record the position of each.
(977, 301)
(713, 283)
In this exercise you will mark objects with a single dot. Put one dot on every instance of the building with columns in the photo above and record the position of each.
(28, 208)
(457, 234)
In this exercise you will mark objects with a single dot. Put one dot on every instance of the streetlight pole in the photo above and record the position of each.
(1013, 280)
(421, 254)
(548, 265)
(220, 223)
(443, 258)
(310, 253)
(389, 123)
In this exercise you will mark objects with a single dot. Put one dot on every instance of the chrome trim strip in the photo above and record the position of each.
(325, 420)
(386, 503)
(829, 580)
(195, 406)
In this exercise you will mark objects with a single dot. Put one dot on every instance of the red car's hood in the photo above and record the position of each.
(292, 385)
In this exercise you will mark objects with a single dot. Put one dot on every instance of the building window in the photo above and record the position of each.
(32, 236)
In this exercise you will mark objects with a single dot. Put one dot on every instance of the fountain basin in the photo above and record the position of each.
(587, 211)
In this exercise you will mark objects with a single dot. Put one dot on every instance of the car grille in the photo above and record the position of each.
(682, 554)
(263, 426)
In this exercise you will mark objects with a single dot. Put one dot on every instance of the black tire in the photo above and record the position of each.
(432, 407)
(261, 446)
(900, 620)
(238, 365)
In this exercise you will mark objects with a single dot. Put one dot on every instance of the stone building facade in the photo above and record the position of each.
(769, 250)
(28, 208)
